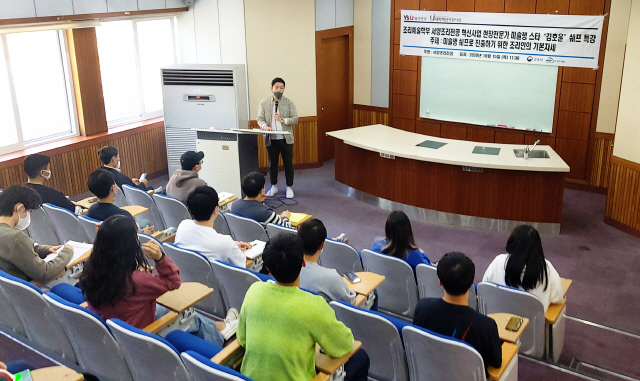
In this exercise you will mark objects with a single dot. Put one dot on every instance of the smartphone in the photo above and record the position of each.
(92, 200)
(514, 324)
(353, 278)
(143, 176)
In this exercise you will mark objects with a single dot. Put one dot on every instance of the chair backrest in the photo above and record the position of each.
(144, 237)
(97, 351)
(172, 210)
(245, 229)
(203, 369)
(66, 224)
(41, 323)
(41, 229)
(90, 227)
(195, 267)
(274, 229)
(150, 357)
(435, 357)
(120, 200)
(381, 339)
(136, 196)
(222, 226)
(429, 285)
(234, 281)
(399, 292)
(9, 319)
(496, 298)
(340, 256)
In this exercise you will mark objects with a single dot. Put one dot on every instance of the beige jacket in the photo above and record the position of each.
(20, 258)
(182, 183)
(287, 111)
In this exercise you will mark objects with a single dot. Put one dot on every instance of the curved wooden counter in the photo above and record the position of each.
(506, 191)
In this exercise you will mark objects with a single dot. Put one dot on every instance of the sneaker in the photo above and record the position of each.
(231, 324)
(272, 191)
(289, 192)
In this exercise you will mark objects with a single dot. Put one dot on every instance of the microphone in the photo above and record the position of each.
(277, 106)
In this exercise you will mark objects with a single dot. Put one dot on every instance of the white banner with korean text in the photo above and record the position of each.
(559, 40)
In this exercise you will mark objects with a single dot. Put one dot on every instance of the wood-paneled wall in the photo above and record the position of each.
(623, 196)
(577, 94)
(601, 161)
(141, 151)
(305, 148)
(368, 115)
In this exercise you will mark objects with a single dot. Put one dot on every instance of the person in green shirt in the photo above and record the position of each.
(280, 324)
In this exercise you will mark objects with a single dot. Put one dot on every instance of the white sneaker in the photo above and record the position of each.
(272, 191)
(231, 324)
(289, 192)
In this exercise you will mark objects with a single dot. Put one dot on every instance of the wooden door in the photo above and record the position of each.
(334, 84)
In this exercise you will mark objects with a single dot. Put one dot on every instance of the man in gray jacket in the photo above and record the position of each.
(185, 180)
(278, 113)
(18, 254)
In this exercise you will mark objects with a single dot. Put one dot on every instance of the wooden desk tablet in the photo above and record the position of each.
(368, 282)
(566, 283)
(134, 209)
(85, 203)
(553, 312)
(360, 300)
(227, 201)
(80, 259)
(298, 218)
(56, 373)
(501, 320)
(508, 352)
(327, 364)
(184, 297)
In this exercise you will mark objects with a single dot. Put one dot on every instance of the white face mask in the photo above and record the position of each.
(118, 166)
(47, 175)
(23, 223)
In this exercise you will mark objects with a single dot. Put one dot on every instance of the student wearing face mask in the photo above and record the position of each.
(38, 170)
(278, 113)
(19, 256)
(110, 157)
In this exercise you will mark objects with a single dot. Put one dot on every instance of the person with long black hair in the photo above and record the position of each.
(398, 241)
(526, 268)
(117, 280)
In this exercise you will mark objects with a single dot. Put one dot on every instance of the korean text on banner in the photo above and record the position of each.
(559, 40)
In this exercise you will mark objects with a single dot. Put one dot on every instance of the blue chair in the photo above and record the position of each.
(429, 285)
(151, 357)
(120, 200)
(41, 229)
(195, 267)
(96, 349)
(66, 224)
(221, 225)
(144, 237)
(172, 210)
(9, 319)
(381, 338)
(203, 369)
(235, 282)
(245, 229)
(90, 227)
(136, 196)
(274, 230)
(340, 256)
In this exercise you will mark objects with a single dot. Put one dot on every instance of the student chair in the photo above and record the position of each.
(429, 285)
(273, 230)
(235, 282)
(340, 256)
(245, 229)
(203, 369)
(195, 267)
(136, 196)
(41, 323)
(144, 237)
(221, 225)
(9, 319)
(96, 349)
(120, 200)
(381, 338)
(172, 210)
(431, 356)
(41, 229)
(151, 357)
(90, 227)
(66, 224)
(536, 338)
(398, 293)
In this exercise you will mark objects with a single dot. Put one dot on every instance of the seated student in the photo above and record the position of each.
(110, 157)
(185, 180)
(398, 241)
(452, 316)
(38, 170)
(199, 235)
(280, 324)
(315, 278)
(526, 268)
(19, 256)
(252, 205)
(102, 184)
(117, 280)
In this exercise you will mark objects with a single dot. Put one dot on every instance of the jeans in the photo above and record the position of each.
(277, 147)
(357, 368)
(202, 327)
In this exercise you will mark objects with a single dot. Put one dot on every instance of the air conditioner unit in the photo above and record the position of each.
(200, 96)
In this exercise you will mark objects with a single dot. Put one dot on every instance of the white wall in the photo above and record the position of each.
(333, 13)
(380, 52)
(627, 140)
(362, 52)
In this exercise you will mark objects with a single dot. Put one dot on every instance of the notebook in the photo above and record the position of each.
(257, 247)
(296, 218)
(78, 250)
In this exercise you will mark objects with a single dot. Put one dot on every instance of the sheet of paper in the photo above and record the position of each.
(257, 247)
(78, 250)
(297, 217)
(224, 195)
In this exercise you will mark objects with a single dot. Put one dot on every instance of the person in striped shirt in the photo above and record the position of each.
(253, 206)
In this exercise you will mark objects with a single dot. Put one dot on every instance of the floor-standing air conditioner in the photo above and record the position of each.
(201, 96)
